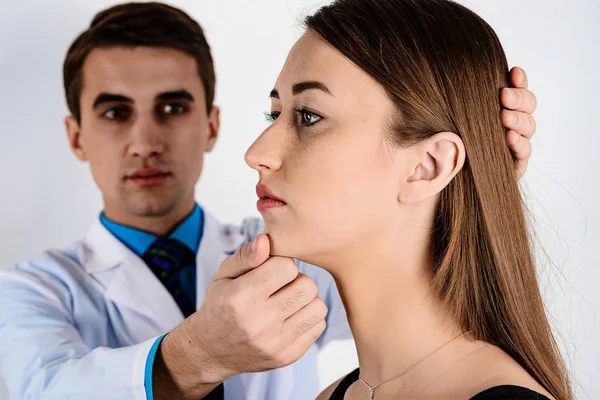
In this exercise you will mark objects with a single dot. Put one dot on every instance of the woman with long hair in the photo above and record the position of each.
(386, 164)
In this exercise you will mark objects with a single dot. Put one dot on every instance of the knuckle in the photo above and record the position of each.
(520, 121)
(236, 303)
(320, 308)
(318, 332)
(264, 276)
(532, 123)
(306, 325)
(238, 256)
(308, 286)
(310, 322)
(505, 98)
(286, 303)
(313, 289)
(506, 117)
(534, 102)
(290, 269)
(518, 96)
(256, 333)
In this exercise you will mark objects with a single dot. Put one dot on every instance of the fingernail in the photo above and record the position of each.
(253, 246)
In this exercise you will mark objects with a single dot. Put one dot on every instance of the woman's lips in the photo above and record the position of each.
(266, 199)
(268, 203)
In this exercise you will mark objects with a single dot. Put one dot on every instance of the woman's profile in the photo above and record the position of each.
(386, 164)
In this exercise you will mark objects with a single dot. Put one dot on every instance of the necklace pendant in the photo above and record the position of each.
(371, 394)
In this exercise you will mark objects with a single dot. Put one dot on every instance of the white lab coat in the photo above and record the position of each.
(78, 323)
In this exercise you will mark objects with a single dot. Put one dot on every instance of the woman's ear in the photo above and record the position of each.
(436, 161)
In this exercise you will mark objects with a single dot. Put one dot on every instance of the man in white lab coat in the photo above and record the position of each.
(89, 321)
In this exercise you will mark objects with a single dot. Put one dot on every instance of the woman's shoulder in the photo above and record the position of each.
(509, 392)
(337, 390)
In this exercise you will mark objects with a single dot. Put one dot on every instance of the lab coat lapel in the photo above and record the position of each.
(128, 281)
(218, 242)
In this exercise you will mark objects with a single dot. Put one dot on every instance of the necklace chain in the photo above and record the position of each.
(406, 371)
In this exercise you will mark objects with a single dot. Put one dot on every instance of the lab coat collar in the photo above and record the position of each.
(130, 283)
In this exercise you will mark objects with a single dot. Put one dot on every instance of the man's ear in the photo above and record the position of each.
(74, 136)
(214, 123)
(435, 162)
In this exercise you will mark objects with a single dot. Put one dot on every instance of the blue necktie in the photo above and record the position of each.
(174, 264)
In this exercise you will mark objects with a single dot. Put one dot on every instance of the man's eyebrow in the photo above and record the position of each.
(105, 97)
(110, 98)
(175, 95)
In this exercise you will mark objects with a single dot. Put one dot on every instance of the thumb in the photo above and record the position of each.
(248, 257)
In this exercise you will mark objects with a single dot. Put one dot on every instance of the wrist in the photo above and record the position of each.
(174, 375)
(190, 353)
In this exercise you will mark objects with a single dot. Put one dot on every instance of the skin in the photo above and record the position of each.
(363, 209)
(121, 137)
(155, 128)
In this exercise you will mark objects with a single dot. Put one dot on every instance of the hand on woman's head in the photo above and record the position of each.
(519, 104)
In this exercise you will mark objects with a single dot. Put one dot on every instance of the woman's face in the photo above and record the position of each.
(325, 156)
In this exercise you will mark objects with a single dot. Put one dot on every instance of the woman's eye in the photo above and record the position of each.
(271, 116)
(307, 118)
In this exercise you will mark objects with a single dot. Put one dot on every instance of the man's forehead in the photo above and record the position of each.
(138, 61)
(139, 72)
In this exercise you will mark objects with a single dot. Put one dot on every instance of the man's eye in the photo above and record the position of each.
(117, 113)
(174, 108)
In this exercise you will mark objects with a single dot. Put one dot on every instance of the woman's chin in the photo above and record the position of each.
(280, 245)
(283, 245)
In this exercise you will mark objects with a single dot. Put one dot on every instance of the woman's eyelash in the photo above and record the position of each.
(271, 116)
(302, 112)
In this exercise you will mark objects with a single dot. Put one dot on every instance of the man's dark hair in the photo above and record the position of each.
(138, 24)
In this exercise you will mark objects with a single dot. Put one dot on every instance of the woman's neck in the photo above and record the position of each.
(393, 313)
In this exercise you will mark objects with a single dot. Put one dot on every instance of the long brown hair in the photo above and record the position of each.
(443, 67)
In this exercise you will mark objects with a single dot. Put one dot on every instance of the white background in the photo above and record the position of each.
(48, 199)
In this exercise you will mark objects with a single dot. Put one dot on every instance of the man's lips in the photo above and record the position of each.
(149, 177)
(266, 199)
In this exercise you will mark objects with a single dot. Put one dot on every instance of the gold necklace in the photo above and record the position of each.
(406, 371)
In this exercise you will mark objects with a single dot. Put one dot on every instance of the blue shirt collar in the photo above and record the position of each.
(189, 232)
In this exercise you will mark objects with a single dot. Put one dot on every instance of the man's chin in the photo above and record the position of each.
(152, 208)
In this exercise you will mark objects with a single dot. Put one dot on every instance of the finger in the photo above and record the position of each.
(518, 99)
(521, 149)
(295, 296)
(304, 342)
(305, 319)
(248, 257)
(521, 168)
(520, 146)
(518, 78)
(523, 123)
(271, 276)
